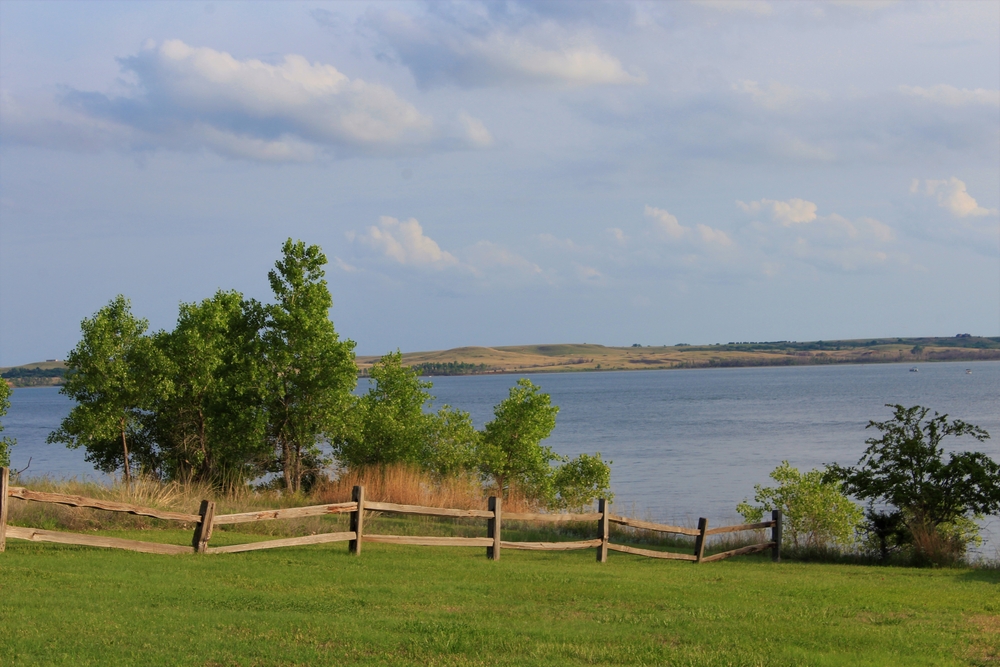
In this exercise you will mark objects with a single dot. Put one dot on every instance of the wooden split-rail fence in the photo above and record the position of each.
(206, 520)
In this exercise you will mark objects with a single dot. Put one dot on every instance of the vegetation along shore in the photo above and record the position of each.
(568, 357)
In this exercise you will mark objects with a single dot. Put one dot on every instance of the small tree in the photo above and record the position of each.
(913, 493)
(5, 442)
(115, 375)
(510, 450)
(815, 512)
(392, 424)
(578, 482)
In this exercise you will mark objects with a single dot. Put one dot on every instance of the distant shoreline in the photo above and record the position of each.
(575, 358)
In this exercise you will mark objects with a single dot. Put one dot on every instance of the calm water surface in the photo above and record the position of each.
(684, 443)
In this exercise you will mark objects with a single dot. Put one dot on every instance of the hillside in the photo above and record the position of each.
(584, 357)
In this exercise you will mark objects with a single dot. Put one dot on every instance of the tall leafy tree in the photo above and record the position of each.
(308, 372)
(5, 443)
(115, 375)
(210, 427)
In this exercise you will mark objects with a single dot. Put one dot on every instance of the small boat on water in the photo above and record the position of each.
(968, 371)
(914, 370)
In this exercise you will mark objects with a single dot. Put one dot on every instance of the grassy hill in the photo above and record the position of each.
(38, 374)
(584, 357)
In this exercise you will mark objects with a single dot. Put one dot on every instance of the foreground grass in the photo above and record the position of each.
(410, 605)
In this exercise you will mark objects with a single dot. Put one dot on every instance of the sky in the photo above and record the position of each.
(505, 173)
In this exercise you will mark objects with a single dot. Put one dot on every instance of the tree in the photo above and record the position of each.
(580, 481)
(308, 372)
(815, 511)
(904, 471)
(392, 424)
(5, 443)
(115, 375)
(210, 427)
(510, 450)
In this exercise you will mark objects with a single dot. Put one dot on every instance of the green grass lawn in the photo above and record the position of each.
(318, 605)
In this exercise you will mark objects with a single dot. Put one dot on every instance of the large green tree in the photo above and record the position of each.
(308, 372)
(5, 442)
(210, 427)
(115, 375)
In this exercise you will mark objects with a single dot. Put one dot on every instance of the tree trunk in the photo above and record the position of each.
(128, 475)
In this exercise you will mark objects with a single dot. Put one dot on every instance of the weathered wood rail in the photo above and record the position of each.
(206, 519)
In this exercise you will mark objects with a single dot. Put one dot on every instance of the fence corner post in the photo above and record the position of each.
(4, 503)
(203, 531)
(776, 536)
(357, 519)
(699, 545)
(493, 528)
(602, 530)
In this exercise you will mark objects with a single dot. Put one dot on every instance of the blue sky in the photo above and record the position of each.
(507, 173)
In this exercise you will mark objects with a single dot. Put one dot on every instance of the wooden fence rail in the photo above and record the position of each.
(206, 519)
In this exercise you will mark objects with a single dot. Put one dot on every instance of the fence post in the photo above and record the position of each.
(203, 531)
(4, 503)
(493, 528)
(357, 519)
(602, 530)
(776, 536)
(699, 545)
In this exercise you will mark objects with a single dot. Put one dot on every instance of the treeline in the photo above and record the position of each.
(36, 372)
(242, 389)
(450, 368)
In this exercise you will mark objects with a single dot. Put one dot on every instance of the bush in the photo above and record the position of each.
(816, 513)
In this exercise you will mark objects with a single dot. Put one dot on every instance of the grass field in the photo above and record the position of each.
(63, 605)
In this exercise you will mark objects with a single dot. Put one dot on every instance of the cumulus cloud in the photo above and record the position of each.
(831, 241)
(786, 213)
(667, 224)
(618, 235)
(189, 98)
(405, 243)
(952, 96)
(953, 196)
(439, 50)
(486, 256)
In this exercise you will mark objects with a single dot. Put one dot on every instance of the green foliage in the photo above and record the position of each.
(449, 368)
(210, 427)
(115, 375)
(5, 443)
(37, 372)
(308, 372)
(905, 471)
(392, 424)
(509, 451)
(578, 482)
(816, 513)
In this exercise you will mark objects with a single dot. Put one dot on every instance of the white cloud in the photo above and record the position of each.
(190, 98)
(344, 266)
(952, 96)
(667, 224)
(438, 50)
(618, 235)
(475, 132)
(786, 213)
(952, 195)
(405, 243)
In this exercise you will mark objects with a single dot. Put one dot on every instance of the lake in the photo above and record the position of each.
(684, 443)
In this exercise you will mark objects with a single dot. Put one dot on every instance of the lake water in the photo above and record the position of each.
(684, 443)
